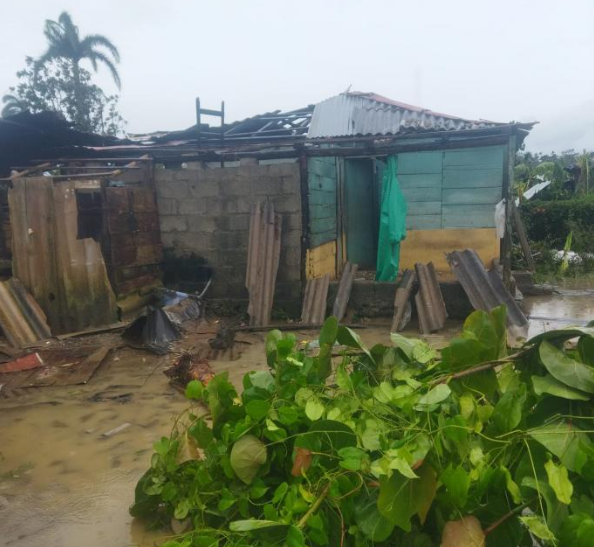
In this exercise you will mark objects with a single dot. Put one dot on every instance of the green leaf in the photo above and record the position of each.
(295, 537)
(551, 386)
(402, 466)
(262, 379)
(303, 395)
(257, 409)
(314, 409)
(586, 350)
(370, 521)
(201, 433)
(562, 335)
(400, 498)
(556, 511)
(564, 440)
(578, 531)
(511, 485)
(194, 390)
(538, 527)
(559, 481)
(272, 338)
(253, 524)
(565, 369)
(182, 509)
(457, 483)
(434, 396)
(508, 411)
(349, 338)
(280, 492)
(287, 415)
(247, 455)
(329, 331)
(221, 394)
(352, 458)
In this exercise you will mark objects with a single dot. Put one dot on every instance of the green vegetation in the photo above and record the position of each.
(393, 445)
(57, 81)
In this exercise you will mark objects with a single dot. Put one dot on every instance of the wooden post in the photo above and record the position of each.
(508, 180)
(519, 226)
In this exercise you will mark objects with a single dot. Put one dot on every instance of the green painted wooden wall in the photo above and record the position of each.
(452, 188)
(322, 181)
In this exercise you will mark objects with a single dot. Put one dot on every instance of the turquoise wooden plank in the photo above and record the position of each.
(411, 163)
(320, 183)
(323, 237)
(475, 158)
(423, 222)
(472, 178)
(424, 208)
(427, 180)
(322, 198)
(471, 196)
(321, 211)
(320, 225)
(325, 166)
(468, 216)
(421, 194)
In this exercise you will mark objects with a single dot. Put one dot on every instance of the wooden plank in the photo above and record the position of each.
(423, 222)
(472, 178)
(320, 238)
(468, 216)
(320, 225)
(471, 196)
(424, 208)
(320, 183)
(419, 162)
(519, 226)
(81, 374)
(475, 158)
(422, 194)
(322, 198)
(429, 180)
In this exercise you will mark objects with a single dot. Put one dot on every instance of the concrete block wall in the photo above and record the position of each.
(205, 213)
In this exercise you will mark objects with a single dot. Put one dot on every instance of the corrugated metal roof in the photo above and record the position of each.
(429, 300)
(263, 259)
(344, 290)
(485, 290)
(315, 300)
(357, 113)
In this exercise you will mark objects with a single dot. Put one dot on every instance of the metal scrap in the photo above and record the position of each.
(315, 300)
(401, 300)
(263, 259)
(429, 300)
(485, 290)
(344, 290)
(21, 318)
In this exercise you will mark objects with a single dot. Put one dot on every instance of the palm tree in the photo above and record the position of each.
(64, 42)
(12, 105)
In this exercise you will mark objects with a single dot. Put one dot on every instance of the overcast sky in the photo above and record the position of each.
(500, 60)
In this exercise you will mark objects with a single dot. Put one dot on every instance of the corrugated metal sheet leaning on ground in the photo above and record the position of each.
(263, 259)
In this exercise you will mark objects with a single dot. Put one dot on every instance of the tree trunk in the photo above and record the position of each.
(78, 98)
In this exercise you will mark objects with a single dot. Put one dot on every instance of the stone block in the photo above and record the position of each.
(232, 240)
(291, 185)
(201, 223)
(291, 238)
(244, 204)
(289, 273)
(292, 257)
(203, 187)
(292, 222)
(173, 190)
(266, 186)
(167, 206)
(213, 205)
(234, 186)
(191, 206)
(196, 242)
(173, 223)
(288, 204)
(164, 176)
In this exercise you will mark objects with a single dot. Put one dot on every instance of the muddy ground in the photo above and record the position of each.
(63, 483)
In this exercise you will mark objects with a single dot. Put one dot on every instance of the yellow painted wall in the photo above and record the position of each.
(432, 246)
(322, 260)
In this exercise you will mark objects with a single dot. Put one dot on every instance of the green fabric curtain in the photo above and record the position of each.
(392, 228)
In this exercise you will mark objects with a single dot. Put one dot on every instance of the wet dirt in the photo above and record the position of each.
(63, 483)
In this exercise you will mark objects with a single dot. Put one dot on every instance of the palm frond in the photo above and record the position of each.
(101, 57)
(92, 41)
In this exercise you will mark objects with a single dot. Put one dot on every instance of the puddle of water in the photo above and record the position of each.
(569, 307)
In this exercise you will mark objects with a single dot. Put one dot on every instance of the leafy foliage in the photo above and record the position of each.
(393, 445)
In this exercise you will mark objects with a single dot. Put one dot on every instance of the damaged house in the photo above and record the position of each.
(180, 204)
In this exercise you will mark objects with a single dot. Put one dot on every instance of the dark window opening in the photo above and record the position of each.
(90, 215)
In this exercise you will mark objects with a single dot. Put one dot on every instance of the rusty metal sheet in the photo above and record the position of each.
(21, 319)
(315, 300)
(344, 290)
(485, 290)
(262, 263)
(401, 299)
(429, 300)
